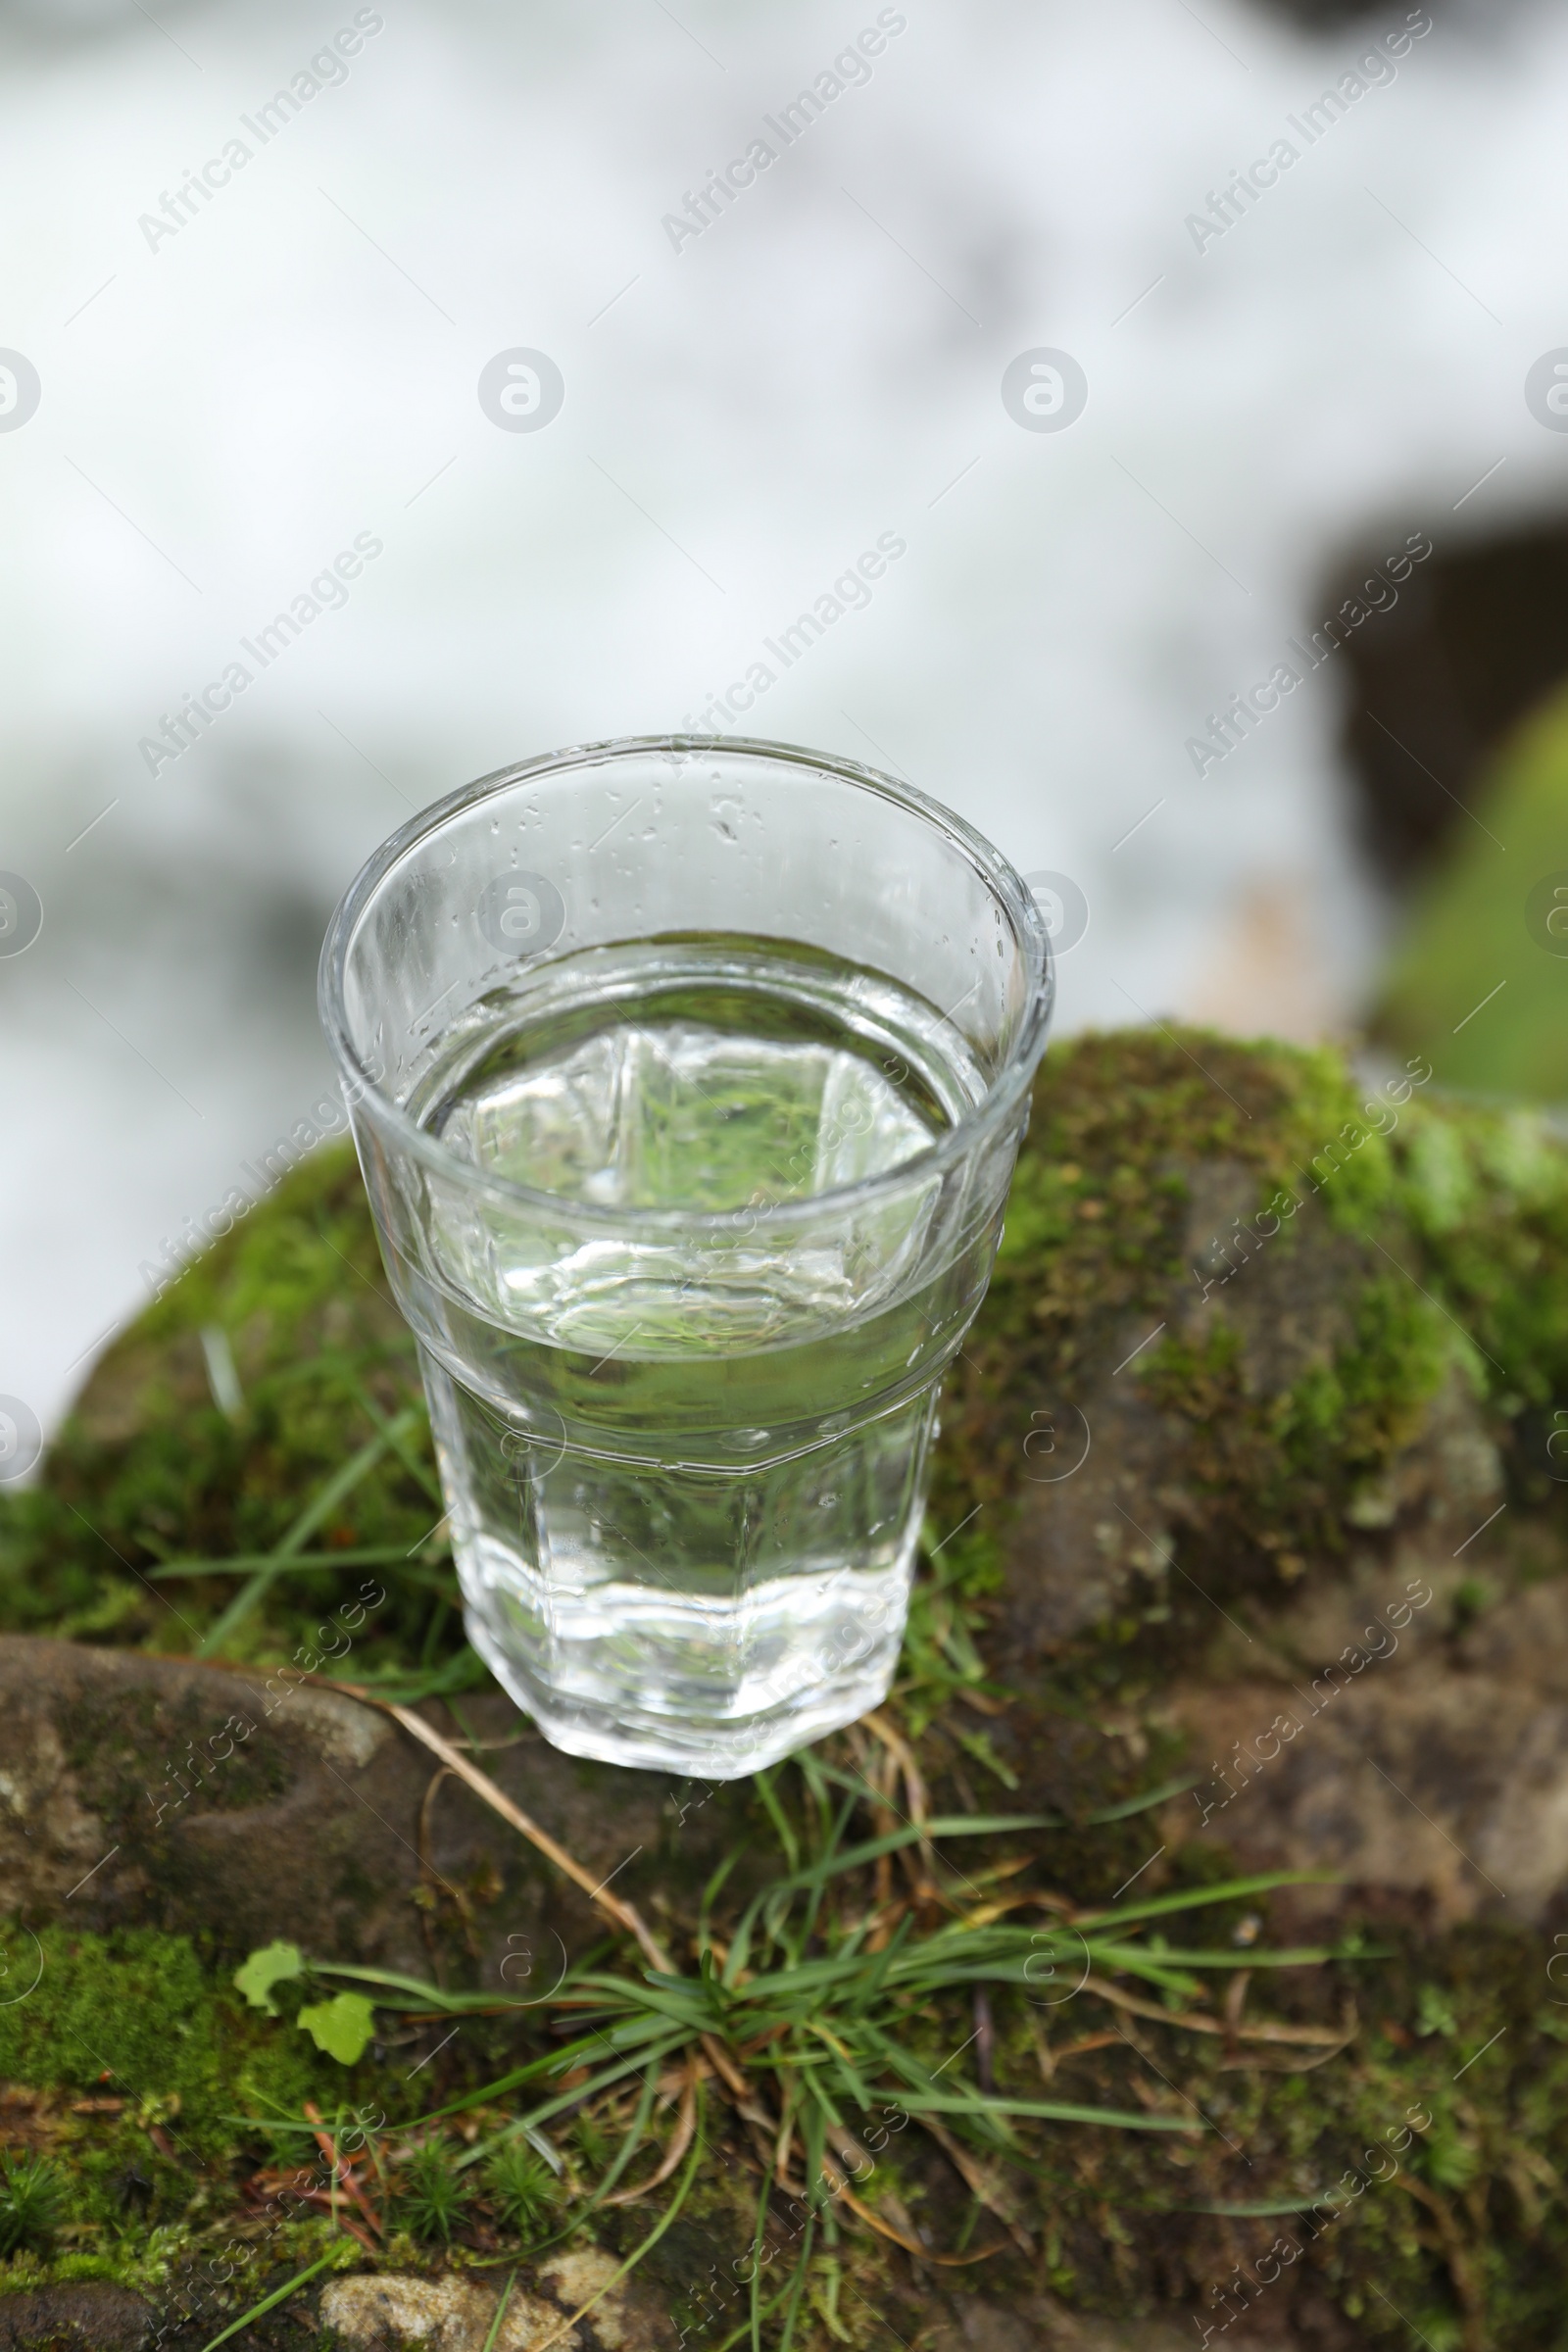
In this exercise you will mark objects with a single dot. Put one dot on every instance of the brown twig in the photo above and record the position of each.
(346, 2221)
(980, 2183)
(884, 1815)
(624, 1915)
(850, 2153)
(1236, 2001)
(919, 1866)
(343, 2173)
(1313, 2036)
(981, 1700)
(911, 2245)
(904, 1757)
(1089, 2041)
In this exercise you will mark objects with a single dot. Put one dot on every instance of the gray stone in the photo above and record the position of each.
(1437, 1770)
(389, 2311)
(91, 2313)
(441, 2315)
(310, 1822)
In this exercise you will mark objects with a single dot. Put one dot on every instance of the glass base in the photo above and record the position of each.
(694, 1752)
(677, 1617)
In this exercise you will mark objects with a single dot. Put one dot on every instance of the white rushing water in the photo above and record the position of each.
(274, 408)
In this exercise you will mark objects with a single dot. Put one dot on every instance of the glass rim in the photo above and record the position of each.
(965, 1135)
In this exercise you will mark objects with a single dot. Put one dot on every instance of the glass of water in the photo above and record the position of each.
(687, 1079)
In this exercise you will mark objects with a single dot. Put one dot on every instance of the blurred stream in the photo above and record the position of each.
(227, 404)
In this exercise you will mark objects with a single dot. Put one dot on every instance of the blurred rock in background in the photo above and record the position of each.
(1479, 636)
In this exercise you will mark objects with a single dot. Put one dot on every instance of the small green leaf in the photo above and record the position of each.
(341, 2027)
(270, 1966)
(1435, 2013)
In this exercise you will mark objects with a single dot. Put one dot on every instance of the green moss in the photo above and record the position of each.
(142, 2065)
(151, 1471)
(134, 2015)
(1126, 1131)
(1341, 1422)
(1487, 1194)
(1121, 1123)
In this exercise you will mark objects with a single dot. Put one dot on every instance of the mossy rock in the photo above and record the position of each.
(1263, 1353)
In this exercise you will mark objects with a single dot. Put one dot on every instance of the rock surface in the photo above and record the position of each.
(387, 2311)
(375, 2314)
(1410, 1761)
(94, 2315)
(1431, 1767)
(322, 1823)
(1102, 1512)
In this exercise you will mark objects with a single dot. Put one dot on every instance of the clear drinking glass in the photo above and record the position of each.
(687, 1079)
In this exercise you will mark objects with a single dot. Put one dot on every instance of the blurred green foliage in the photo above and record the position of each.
(1473, 982)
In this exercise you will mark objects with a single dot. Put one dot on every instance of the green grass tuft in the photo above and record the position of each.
(432, 2193)
(33, 2196)
(521, 2187)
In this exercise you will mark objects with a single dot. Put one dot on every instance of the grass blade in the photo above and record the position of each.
(270, 2302)
(427, 1996)
(1193, 1898)
(395, 1435)
(1137, 1962)
(578, 2096)
(1252, 2213)
(976, 2103)
(238, 1563)
(1141, 1804)
(326, 1501)
(632, 2141)
(763, 1782)
(854, 1858)
(501, 2313)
